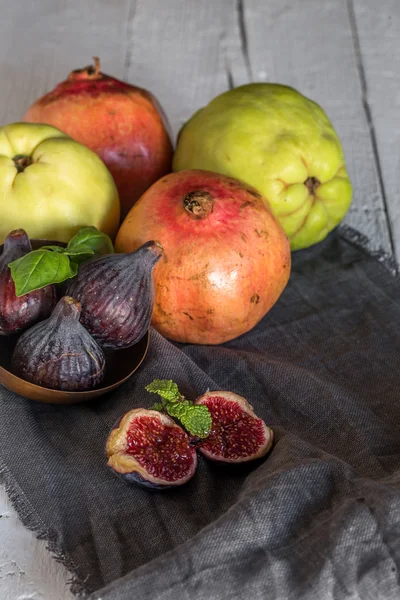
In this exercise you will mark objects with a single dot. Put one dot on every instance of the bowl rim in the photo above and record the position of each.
(70, 396)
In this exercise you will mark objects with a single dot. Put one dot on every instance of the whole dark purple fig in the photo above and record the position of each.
(149, 449)
(59, 353)
(18, 313)
(116, 292)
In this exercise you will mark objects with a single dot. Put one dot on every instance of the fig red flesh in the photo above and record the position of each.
(237, 434)
(150, 449)
(163, 450)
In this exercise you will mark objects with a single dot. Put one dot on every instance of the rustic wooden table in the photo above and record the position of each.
(343, 54)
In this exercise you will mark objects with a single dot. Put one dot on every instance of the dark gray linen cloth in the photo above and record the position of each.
(318, 519)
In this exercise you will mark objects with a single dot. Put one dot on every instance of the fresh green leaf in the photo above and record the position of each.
(88, 251)
(158, 406)
(196, 419)
(80, 257)
(165, 388)
(89, 240)
(58, 249)
(39, 268)
(54, 264)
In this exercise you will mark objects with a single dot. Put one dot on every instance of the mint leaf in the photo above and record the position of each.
(89, 240)
(157, 406)
(39, 268)
(165, 388)
(196, 419)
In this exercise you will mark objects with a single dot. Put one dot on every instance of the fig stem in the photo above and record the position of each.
(21, 162)
(198, 204)
(67, 307)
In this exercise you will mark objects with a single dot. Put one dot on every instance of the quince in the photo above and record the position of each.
(280, 142)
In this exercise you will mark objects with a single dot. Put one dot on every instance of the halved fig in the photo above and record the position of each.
(237, 434)
(148, 448)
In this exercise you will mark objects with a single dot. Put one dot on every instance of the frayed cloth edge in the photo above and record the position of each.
(362, 242)
(33, 522)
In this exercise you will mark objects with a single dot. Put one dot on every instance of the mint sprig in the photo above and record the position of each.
(195, 418)
(54, 264)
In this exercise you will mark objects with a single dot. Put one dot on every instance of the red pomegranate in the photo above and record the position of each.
(122, 123)
(226, 258)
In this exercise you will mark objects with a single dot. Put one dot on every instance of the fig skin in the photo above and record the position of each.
(116, 292)
(237, 434)
(158, 429)
(19, 313)
(59, 353)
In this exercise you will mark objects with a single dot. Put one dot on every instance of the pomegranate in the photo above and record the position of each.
(226, 258)
(148, 448)
(122, 123)
(237, 434)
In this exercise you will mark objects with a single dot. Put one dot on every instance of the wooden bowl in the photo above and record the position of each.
(120, 366)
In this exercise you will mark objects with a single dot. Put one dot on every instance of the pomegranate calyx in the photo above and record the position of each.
(198, 204)
(89, 72)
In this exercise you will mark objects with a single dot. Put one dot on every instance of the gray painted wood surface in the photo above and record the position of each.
(345, 54)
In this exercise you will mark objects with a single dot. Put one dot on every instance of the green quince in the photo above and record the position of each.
(280, 142)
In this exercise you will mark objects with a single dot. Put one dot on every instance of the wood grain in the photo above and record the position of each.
(43, 40)
(311, 48)
(378, 33)
(185, 53)
(40, 43)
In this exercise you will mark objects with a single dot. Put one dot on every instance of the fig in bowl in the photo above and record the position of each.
(116, 292)
(19, 312)
(121, 364)
(58, 353)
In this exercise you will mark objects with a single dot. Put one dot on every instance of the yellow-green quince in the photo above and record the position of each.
(282, 143)
(50, 185)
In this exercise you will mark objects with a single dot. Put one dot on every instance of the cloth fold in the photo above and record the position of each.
(318, 519)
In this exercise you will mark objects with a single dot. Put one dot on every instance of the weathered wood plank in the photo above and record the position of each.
(185, 53)
(40, 43)
(310, 46)
(378, 33)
